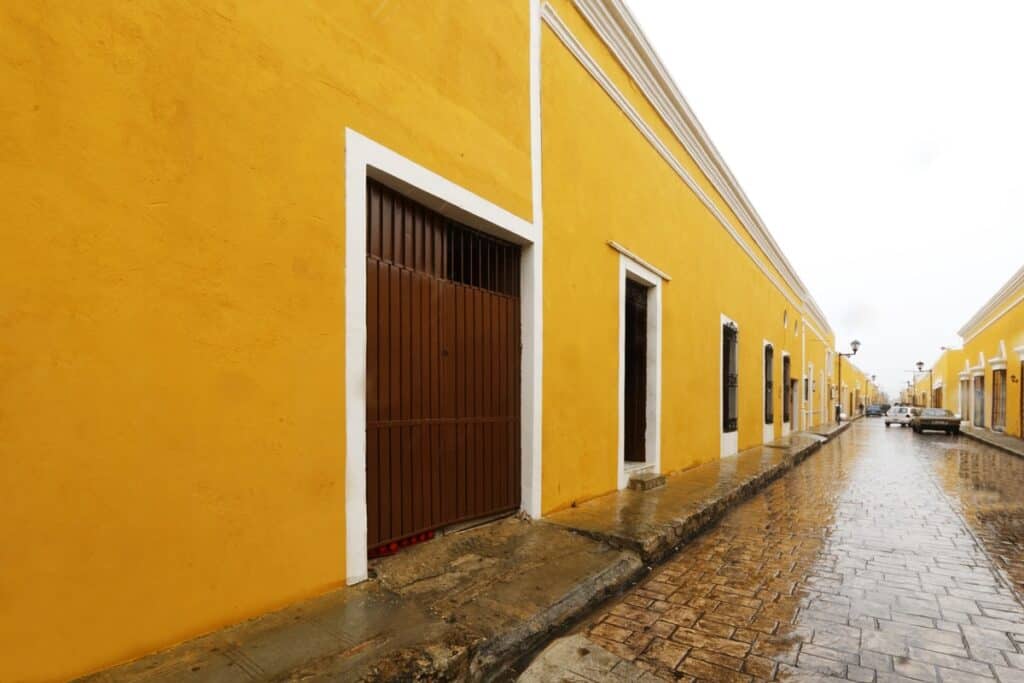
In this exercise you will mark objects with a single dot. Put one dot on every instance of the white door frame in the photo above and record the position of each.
(364, 159)
(630, 269)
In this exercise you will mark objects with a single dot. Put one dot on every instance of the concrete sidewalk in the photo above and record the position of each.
(469, 604)
(1005, 442)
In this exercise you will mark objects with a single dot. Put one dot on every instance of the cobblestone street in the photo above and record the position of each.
(861, 564)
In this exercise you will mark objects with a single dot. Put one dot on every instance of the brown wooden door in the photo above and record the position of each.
(443, 359)
(635, 398)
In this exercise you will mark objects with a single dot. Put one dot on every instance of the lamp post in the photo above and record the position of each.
(920, 368)
(855, 346)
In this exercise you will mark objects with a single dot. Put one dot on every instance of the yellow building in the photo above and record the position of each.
(941, 388)
(991, 368)
(267, 268)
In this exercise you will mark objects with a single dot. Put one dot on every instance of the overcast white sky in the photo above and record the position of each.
(882, 144)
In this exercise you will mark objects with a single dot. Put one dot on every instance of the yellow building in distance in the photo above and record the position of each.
(991, 368)
(267, 268)
(941, 387)
(982, 380)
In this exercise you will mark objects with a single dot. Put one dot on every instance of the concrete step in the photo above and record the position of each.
(645, 481)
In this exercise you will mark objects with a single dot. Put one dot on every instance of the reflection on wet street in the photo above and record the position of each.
(987, 487)
(861, 564)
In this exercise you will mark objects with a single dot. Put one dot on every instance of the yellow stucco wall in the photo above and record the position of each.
(854, 387)
(611, 184)
(945, 375)
(985, 338)
(823, 369)
(171, 342)
(172, 348)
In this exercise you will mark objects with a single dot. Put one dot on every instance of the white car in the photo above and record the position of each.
(900, 415)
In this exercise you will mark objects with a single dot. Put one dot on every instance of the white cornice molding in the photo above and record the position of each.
(565, 34)
(636, 259)
(1019, 350)
(613, 23)
(971, 328)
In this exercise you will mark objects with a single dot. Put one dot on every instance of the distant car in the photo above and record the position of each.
(937, 419)
(900, 415)
(885, 408)
(874, 411)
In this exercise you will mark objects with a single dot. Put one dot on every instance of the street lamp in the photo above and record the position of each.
(920, 368)
(854, 346)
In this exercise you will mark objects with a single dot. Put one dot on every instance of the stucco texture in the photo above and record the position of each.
(172, 278)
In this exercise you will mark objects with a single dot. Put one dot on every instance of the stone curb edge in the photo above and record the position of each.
(994, 444)
(489, 663)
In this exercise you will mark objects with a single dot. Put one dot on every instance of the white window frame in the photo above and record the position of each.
(365, 158)
(630, 269)
(730, 441)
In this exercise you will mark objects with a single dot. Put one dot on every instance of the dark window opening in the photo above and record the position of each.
(769, 405)
(635, 398)
(787, 390)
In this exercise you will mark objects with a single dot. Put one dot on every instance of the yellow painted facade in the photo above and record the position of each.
(173, 277)
(982, 381)
(612, 184)
(173, 348)
(942, 388)
(993, 342)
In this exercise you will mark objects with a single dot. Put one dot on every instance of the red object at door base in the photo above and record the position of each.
(394, 546)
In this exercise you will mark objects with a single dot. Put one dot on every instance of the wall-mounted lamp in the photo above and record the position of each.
(1013, 378)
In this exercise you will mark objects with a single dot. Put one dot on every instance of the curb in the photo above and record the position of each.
(993, 443)
(434, 647)
(668, 542)
(656, 549)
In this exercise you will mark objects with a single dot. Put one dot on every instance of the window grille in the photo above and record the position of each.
(787, 390)
(730, 378)
(769, 407)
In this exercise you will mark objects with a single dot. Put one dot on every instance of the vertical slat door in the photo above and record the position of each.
(999, 399)
(442, 421)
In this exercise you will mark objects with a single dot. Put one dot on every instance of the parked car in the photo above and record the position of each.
(874, 411)
(937, 419)
(900, 415)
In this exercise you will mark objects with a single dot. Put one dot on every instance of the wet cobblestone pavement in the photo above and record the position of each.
(862, 564)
